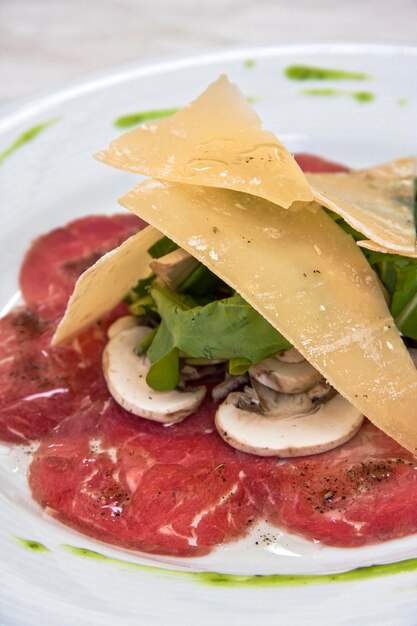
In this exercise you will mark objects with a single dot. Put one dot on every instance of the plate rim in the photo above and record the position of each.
(18, 110)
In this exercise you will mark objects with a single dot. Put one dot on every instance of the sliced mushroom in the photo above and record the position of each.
(331, 425)
(248, 400)
(285, 377)
(230, 383)
(122, 323)
(290, 356)
(173, 268)
(125, 374)
(321, 392)
(188, 372)
(282, 404)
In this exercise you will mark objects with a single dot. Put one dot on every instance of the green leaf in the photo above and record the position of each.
(140, 290)
(202, 282)
(161, 344)
(162, 247)
(223, 329)
(164, 374)
(404, 298)
(146, 342)
(239, 366)
(398, 274)
(164, 356)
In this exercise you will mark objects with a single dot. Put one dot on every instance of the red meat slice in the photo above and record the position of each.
(140, 485)
(39, 386)
(314, 164)
(360, 493)
(55, 260)
(181, 490)
(175, 490)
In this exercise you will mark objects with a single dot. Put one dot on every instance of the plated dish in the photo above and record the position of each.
(285, 543)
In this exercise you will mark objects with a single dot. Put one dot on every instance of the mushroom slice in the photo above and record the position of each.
(282, 404)
(188, 372)
(290, 356)
(174, 268)
(230, 383)
(285, 377)
(331, 425)
(321, 392)
(125, 374)
(122, 323)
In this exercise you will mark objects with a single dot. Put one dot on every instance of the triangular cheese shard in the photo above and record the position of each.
(105, 284)
(217, 141)
(378, 202)
(308, 278)
(375, 247)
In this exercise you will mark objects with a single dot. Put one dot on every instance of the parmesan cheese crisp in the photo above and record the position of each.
(272, 243)
(308, 278)
(378, 202)
(106, 283)
(216, 141)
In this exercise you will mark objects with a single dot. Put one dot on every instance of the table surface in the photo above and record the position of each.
(44, 43)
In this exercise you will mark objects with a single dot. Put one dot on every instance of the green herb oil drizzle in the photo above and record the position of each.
(273, 580)
(134, 119)
(322, 92)
(363, 96)
(26, 137)
(359, 96)
(32, 545)
(307, 72)
(234, 580)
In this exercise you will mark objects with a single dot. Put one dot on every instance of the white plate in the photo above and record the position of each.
(53, 179)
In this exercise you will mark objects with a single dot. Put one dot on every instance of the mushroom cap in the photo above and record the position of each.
(125, 373)
(331, 425)
(122, 323)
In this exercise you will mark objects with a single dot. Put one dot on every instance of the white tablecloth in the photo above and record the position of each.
(46, 42)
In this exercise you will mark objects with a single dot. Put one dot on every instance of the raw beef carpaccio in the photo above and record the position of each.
(40, 386)
(176, 490)
(55, 260)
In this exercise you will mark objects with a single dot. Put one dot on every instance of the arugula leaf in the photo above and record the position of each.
(239, 366)
(140, 290)
(162, 247)
(398, 274)
(404, 297)
(164, 374)
(202, 282)
(223, 329)
(146, 342)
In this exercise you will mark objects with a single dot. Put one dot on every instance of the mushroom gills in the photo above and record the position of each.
(284, 376)
(282, 404)
(125, 373)
(271, 434)
(190, 373)
(230, 383)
